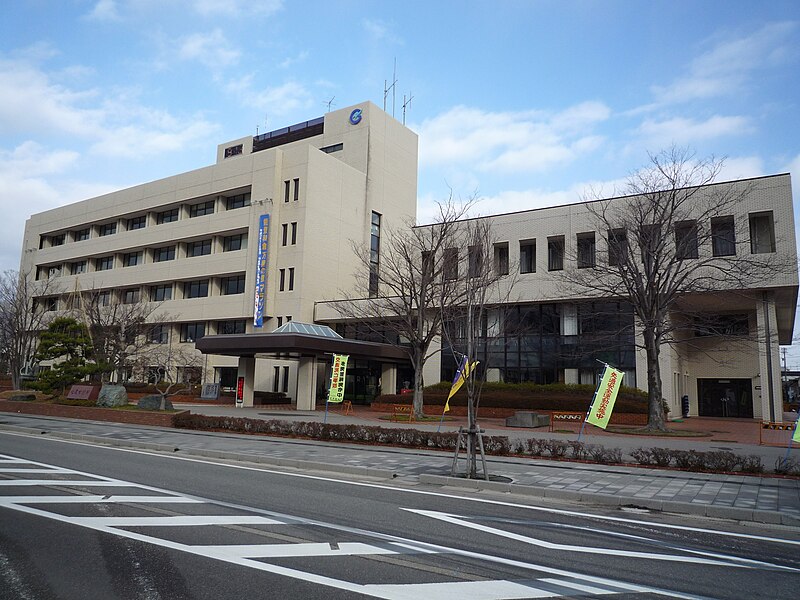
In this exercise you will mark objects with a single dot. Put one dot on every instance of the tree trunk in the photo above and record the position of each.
(418, 385)
(655, 417)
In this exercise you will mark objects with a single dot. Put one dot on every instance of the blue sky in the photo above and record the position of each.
(526, 104)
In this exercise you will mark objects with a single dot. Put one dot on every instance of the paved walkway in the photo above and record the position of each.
(764, 499)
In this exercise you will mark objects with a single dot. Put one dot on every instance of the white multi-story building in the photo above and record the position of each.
(260, 235)
(266, 234)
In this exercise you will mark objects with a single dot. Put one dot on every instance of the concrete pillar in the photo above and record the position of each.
(771, 405)
(432, 372)
(247, 369)
(306, 390)
(388, 378)
(569, 327)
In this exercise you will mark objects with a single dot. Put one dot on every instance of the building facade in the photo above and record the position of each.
(265, 236)
(241, 246)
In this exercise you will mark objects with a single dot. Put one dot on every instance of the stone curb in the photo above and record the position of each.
(703, 510)
(231, 456)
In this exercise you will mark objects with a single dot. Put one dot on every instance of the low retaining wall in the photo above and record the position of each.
(503, 413)
(133, 417)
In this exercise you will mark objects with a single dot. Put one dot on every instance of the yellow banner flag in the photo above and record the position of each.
(338, 370)
(604, 397)
(461, 376)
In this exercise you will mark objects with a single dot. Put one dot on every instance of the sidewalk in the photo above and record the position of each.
(741, 497)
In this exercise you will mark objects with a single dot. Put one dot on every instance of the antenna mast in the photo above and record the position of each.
(392, 87)
(405, 105)
(330, 103)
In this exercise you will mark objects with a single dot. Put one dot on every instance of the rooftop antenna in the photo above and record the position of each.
(330, 103)
(405, 105)
(392, 87)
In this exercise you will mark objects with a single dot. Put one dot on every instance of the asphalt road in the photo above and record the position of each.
(82, 521)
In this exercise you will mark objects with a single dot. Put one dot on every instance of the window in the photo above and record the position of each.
(285, 387)
(286, 191)
(82, 234)
(555, 253)
(276, 377)
(77, 268)
(159, 293)
(231, 327)
(104, 263)
(131, 296)
(159, 334)
(108, 229)
(474, 261)
(282, 276)
(50, 304)
(238, 201)
(686, 240)
(233, 285)
(450, 263)
(617, 247)
(191, 332)
(103, 298)
(233, 150)
(294, 233)
(200, 248)
(131, 259)
(291, 278)
(167, 216)
(137, 223)
(54, 272)
(501, 259)
(374, 253)
(332, 148)
(762, 233)
(284, 233)
(164, 254)
(195, 289)
(199, 210)
(527, 256)
(718, 325)
(58, 240)
(296, 190)
(233, 242)
(280, 321)
(586, 250)
(723, 236)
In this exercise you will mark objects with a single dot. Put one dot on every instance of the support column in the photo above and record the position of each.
(388, 378)
(306, 389)
(432, 372)
(569, 327)
(771, 405)
(247, 370)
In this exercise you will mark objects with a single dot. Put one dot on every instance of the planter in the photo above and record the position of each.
(133, 417)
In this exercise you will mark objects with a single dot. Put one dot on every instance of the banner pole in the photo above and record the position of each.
(325, 420)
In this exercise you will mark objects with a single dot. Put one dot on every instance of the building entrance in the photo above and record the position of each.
(725, 398)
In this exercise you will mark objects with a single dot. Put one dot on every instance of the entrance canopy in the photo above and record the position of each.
(299, 339)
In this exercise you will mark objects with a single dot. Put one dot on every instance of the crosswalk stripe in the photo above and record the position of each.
(297, 550)
(65, 482)
(460, 590)
(174, 521)
(97, 500)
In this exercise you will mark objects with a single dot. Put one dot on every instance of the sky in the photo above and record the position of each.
(522, 103)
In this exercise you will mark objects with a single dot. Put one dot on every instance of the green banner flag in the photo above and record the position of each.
(604, 397)
(796, 436)
(338, 369)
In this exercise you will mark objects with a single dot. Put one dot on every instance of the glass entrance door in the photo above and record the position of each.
(725, 398)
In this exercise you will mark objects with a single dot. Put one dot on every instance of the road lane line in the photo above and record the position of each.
(97, 500)
(297, 550)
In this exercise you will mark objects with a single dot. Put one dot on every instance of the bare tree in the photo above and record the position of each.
(402, 294)
(22, 319)
(484, 289)
(119, 327)
(669, 240)
(173, 368)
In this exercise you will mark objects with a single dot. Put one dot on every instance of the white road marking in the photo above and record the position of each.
(717, 560)
(485, 590)
(56, 470)
(556, 511)
(458, 590)
(63, 482)
(97, 500)
(294, 550)
(174, 521)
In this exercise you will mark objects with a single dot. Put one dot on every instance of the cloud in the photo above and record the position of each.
(104, 10)
(235, 8)
(680, 130)
(741, 167)
(293, 60)
(209, 49)
(379, 31)
(527, 141)
(727, 66)
(275, 101)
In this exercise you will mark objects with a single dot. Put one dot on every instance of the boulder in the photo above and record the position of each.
(112, 395)
(23, 397)
(153, 402)
(528, 419)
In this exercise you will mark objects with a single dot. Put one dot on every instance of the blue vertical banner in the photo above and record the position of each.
(262, 262)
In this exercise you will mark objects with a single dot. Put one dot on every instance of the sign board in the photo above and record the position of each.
(240, 390)
(262, 262)
(83, 392)
(210, 391)
(604, 397)
(338, 370)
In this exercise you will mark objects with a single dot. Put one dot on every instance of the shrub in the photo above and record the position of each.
(721, 460)
(557, 448)
(661, 457)
(579, 450)
(787, 466)
(642, 456)
(751, 464)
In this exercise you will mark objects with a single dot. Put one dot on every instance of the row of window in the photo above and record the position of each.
(160, 292)
(141, 221)
(723, 243)
(204, 247)
(160, 333)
